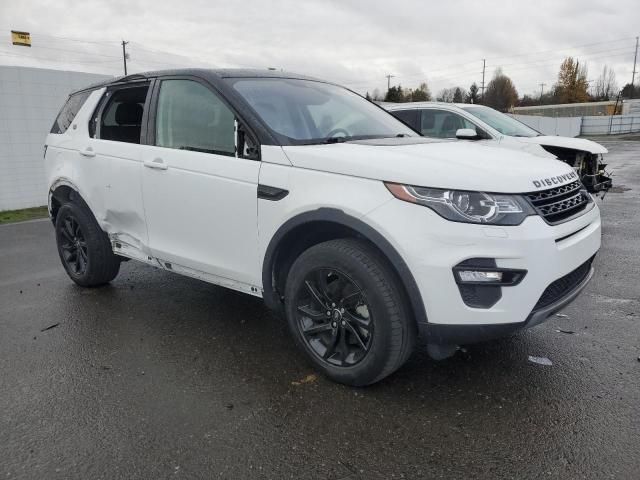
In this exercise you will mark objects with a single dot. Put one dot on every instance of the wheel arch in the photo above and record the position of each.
(62, 191)
(310, 228)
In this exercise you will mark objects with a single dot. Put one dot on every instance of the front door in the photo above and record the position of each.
(200, 197)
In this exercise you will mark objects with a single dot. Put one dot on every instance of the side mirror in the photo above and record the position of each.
(467, 134)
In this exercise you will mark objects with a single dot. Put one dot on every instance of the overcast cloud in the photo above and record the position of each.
(355, 43)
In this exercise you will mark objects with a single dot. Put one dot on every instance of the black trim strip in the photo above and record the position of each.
(571, 234)
(265, 192)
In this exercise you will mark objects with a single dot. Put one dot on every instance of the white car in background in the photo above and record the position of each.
(480, 123)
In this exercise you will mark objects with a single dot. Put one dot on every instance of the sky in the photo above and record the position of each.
(354, 43)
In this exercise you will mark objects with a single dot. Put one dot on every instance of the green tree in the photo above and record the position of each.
(630, 92)
(421, 94)
(394, 94)
(572, 84)
(367, 96)
(473, 96)
(458, 96)
(501, 93)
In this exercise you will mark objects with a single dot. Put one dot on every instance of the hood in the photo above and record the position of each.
(566, 142)
(439, 164)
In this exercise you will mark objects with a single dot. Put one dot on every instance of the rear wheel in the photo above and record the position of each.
(347, 312)
(84, 249)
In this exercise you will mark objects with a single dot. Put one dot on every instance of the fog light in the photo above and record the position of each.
(479, 276)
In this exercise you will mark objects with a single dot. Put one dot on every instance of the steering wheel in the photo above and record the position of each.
(335, 132)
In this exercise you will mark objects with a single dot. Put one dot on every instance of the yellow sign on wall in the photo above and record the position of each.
(21, 38)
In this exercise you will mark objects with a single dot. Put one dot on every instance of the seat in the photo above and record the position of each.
(129, 120)
(449, 126)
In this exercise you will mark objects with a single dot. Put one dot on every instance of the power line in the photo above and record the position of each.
(70, 39)
(53, 60)
(633, 74)
(82, 52)
(562, 57)
(563, 48)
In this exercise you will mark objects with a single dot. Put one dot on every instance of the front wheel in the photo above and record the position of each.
(84, 249)
(347, 312)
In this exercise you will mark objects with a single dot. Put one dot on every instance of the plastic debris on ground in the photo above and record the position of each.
(540, 360)
(569, 332)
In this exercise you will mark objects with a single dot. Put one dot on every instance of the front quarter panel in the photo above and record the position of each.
(310, 190)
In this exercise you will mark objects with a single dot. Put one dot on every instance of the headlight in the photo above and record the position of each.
(468, 207)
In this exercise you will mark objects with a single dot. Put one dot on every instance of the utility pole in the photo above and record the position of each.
(633, 74)
(542, 89)
(389, 77)
(124, 56)
(484, 64)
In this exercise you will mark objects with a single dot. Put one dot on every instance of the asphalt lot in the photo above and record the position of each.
(160, 376)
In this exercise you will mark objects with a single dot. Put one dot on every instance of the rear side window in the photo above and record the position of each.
(69, 112)
(121, 118)
(192, 117)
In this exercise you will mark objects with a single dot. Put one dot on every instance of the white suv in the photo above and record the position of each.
(305, 194)
(480, 123)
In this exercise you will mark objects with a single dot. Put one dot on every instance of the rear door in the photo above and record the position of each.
(113, 157)
(200, 196)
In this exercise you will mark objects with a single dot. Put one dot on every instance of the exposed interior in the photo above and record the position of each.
(121, 119)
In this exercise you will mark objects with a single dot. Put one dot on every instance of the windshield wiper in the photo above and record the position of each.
(335, 139)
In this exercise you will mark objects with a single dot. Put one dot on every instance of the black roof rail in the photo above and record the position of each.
(134, 76)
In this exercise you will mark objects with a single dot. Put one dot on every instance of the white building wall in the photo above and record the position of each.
(562, 126)
(30, 99)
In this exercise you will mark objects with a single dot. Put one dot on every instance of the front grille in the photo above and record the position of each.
(563, 285)
(560, 203)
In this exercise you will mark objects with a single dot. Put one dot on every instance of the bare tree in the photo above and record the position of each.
(605, 87)
(446, 95)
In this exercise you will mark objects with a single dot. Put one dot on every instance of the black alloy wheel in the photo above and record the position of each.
(333, 317)
(84, 249)
(74, 246)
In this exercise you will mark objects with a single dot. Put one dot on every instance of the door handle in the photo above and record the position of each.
(87, 152)
(157, 164)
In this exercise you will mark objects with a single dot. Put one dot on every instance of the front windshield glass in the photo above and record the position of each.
(501, 122)
(302, 112)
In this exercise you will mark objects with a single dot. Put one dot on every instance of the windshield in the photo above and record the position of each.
(302, 112)
(501, 122)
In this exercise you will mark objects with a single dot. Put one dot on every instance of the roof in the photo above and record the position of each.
(217, 73)
(392, 106)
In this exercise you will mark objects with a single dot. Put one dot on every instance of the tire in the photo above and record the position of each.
(347, 312)
(84, 249)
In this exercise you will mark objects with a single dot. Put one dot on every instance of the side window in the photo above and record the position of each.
(408, 117)
(121, 118)
(69, 112)
(442, 123)
(191, 117)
